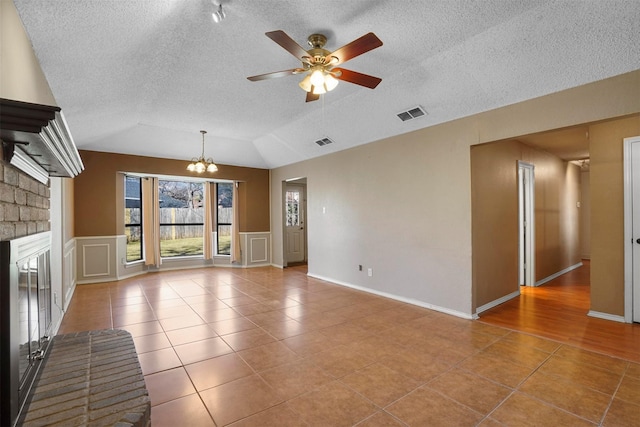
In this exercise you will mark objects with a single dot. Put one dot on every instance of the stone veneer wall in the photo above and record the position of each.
(24, 204)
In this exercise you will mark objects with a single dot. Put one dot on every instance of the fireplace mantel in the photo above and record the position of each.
(37, 140)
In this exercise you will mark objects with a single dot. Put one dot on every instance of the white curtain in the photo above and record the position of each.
(151, 221)
(209, 202)
(235, 226)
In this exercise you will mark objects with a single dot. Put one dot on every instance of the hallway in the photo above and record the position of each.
(558, 310)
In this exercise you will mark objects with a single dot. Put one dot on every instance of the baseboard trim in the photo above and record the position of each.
(606, 316)
(558, 274)
(497, 302)
(395, 297)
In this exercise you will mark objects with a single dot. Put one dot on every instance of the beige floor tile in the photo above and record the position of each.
(587, 375)
(332, 405)
(231, 326)
(268, 356)
(499, 370)
(146, 343)
(180, 322)
(239, 399)
(248, 339)
(532, 341)
(277, 416)
(470, 390)
(425, 407)
(522, 410)
(293, 379)
(633, 370)
(381, 419)
(159, 360)
(185, 411)
(629, 390)
(309, 343)
(218, 370)
(341, 360)
(572, 397)
(622, 414)
(577, 355)
(380, 384)
(190, 334)
(514, 352)
(140, 329)
(168, 385)
(415, 365)
(202, 350)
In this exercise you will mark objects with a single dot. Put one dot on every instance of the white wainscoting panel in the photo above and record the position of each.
(96, 259)
(69, 276)
(256, 249)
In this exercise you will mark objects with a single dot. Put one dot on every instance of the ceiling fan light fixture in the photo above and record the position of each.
(319, 90)
(200, 164)
(305, 84)
(317, 77)
(330, 82)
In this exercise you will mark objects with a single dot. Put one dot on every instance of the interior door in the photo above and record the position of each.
(526, 223)
(294, 223)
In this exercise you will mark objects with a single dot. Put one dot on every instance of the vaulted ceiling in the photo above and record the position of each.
(145, 76)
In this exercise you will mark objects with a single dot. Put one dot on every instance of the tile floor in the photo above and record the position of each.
(270, 347)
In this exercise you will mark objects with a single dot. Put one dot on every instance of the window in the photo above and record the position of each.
(133, 217)
(293, 208)
(224, 217)
(181, 218)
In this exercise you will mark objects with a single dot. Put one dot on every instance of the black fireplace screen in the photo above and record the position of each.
(25, 319)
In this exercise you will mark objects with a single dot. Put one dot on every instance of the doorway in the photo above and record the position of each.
(632, 228)
(295, 218)
(526, 191)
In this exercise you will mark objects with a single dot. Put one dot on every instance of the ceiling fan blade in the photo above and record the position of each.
(357, 47)
(357, 78)
(312, 97)
(275, 74)
(287, 43)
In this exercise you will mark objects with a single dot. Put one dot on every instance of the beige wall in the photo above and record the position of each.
(585, 214)
(21, 77)
(99, 191)
(607, 229)
(494, 192)
(402, 205)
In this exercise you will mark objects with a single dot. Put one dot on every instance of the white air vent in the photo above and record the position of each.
(412, 113)
(324, 141)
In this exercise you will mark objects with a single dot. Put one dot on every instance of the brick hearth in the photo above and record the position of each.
(91, 378)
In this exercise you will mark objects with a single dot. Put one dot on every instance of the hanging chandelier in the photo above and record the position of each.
(201, 164)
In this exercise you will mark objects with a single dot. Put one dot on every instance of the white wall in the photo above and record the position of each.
(402, 206)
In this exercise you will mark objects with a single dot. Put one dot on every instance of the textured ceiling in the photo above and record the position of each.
(144, 76)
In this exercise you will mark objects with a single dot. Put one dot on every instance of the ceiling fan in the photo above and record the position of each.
(320, 65)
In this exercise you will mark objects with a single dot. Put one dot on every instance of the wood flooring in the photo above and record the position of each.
(558, 310)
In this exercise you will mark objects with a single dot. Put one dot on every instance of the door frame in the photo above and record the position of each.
(630, 291)
(526, 215)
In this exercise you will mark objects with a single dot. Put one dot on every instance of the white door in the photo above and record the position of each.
(294, 223)
(526, 221)
(635, 206)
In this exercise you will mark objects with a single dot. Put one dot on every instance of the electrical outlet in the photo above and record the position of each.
(370, 272)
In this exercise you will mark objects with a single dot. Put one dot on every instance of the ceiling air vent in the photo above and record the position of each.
(412, 113)
(324, 141)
